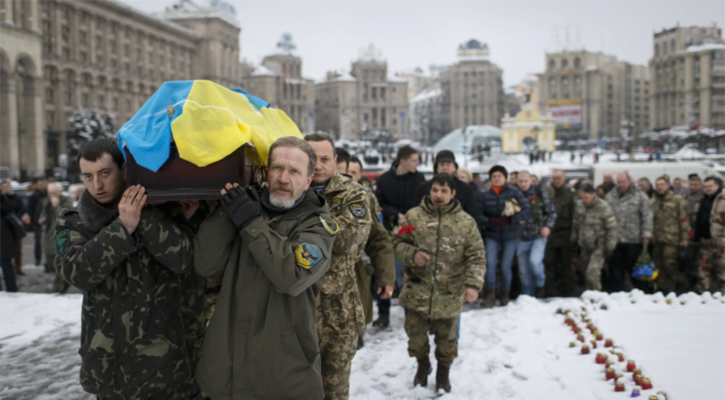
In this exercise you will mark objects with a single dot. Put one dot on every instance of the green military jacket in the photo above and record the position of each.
(379, 251)
(594, 225)
(262, 342)
(458, 259)
(563, 201)
(349, 208)
(49, 215)
(717, 219)
(671, 224)
(143, 312)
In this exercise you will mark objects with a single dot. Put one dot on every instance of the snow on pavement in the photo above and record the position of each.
(516, 352)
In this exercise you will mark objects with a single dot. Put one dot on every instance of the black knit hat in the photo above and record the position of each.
(498, 168)
(444, 155)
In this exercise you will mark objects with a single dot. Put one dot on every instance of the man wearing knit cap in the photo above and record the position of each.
(445, 162)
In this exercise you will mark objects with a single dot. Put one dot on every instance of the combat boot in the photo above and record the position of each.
(383, 321)
(424, 369)
(489, 297)
(504, 298)
(442, 381)
(539, 292)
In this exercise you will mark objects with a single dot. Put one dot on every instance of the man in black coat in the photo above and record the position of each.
(445, 162)
(34, 202)
(9, 203)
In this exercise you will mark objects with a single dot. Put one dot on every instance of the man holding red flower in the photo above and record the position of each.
(444, 258)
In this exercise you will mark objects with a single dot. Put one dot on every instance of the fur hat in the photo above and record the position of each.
(498, 168)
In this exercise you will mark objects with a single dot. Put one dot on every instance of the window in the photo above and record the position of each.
(83, 57)
(112, 46)
(68, 98)
(49, 95)
(564, 64)
(126, 50)
(82, 38)
(101, 100)
(84, 99)
(577, 63)
(552, 65)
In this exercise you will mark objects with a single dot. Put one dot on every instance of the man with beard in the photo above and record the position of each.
(271, 252)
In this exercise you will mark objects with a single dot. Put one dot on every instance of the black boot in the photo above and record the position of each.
(383, 321)
(424, 369)
(504, 298)
(360, 342)
(442, 381)
(539, 292)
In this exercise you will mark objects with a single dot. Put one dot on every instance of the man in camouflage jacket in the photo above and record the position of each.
(633, 211)
(340, 314)
(594, 232)
(49, 209)
(142, 317)
(710, 234)
(445, 262)
(671, 228)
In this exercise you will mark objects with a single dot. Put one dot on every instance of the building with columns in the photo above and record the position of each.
(279, 81)
(22, 141)
(366, 99)
(62, 54)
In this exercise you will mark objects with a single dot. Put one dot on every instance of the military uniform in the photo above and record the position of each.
(143, 311)
(712, 261)
(693, 199)
(262, 339)
(378, 261)
(341, 318)
(670, 228)
(49, 215)
(433, 294)
(595, 231)
(557, 257)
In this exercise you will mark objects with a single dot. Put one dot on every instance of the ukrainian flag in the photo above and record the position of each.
(206, 121)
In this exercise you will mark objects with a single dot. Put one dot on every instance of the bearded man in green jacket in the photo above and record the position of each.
(271, 252)
(445, 262)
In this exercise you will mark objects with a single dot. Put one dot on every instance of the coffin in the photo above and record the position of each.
(179, 179)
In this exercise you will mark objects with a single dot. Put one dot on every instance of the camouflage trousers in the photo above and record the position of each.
(340, 320)
(670, 279)
(417, 326)
(59, 284)
(712, 261)
(593, 261)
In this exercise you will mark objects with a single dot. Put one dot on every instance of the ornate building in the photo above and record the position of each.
(363, 100)
(527, 131)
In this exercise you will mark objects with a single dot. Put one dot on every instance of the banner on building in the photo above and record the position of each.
(566, 112)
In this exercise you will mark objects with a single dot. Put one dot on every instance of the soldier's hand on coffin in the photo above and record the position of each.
(241, 206)
(130, 206)
(190, 207)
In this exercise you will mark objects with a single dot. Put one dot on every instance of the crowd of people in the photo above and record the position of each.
(266, 293)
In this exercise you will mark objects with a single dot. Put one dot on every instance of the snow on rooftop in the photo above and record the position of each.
(705, 47)
(157, 18)
(263, 71)
(426, 94)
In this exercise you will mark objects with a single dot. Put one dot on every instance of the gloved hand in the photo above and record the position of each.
(241, 206)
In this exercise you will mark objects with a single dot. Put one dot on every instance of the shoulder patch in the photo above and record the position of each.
(611, 218)
(358, 210)
(308, 255)
(62, 241)
(328, 228)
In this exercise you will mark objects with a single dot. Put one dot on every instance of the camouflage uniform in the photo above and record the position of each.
(433, 294)
(378, 260)
(143, 311)
(713, 249)
(341, 318)
(595, 231)
(693, 199)
(670, 228)
(49, 215)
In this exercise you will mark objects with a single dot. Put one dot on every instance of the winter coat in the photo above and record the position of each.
(595, 226)
(397, 194)
(458, 259)
(633, 211)
(717, 218)
(142, 319)
(9, 203)
(35, 202)
(464, 194)
(670, 221)
(693, 200)
(703, 214)
(49, 215)
(543, 213)
(564, 203)
(491, 220)
(262, 342)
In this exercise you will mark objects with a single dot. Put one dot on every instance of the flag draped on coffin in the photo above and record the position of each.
(206, 121)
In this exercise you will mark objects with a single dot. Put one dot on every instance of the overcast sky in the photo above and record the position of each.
(330, 34)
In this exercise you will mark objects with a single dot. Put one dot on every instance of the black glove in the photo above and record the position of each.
(575, 248)
(241, 206)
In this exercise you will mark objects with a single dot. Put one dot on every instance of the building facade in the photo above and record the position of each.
(593, 95)
(365, 100)
(279, 80)
(472, 88)
(106, 55)
(427, 125)
(527, 131)
(688, 75)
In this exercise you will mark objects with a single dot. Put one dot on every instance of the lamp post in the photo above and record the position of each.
(465, 146)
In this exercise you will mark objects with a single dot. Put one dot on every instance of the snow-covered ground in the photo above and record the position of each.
(516, 352)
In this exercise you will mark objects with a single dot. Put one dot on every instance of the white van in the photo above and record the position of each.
(651, 170)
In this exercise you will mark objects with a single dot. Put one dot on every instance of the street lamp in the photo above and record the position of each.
(465, 146)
